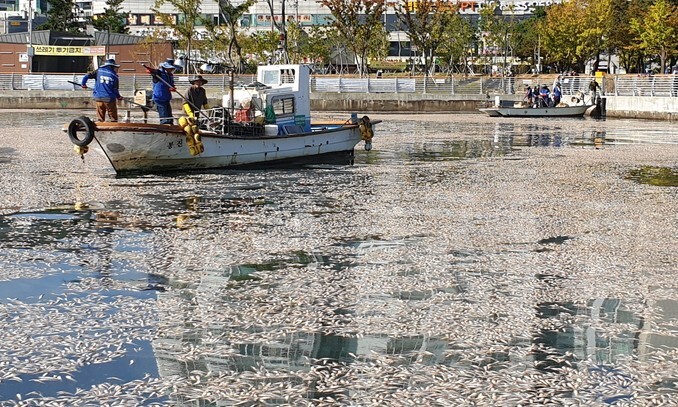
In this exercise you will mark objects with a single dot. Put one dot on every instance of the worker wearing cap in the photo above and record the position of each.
(196, 97)
(163, 86)
(106, 90)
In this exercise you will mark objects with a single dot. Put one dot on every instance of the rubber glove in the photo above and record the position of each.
(188, 110)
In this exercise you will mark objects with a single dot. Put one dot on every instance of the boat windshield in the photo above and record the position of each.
(276, 77)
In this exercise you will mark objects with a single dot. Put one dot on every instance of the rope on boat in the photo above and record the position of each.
(81, 144)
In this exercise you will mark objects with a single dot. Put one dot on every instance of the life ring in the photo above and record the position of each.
(81, 123)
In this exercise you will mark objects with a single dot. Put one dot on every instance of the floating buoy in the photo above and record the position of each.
(366, 132)
(193, 139)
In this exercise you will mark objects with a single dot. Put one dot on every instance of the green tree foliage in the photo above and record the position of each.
(491, 25)
(657, 30)
(457, 42)
(618, 31)
(261, 45)
(360, 26)
(426, 23)
(112, 20)
(184, 24)
(561, 28)
(497, 29)
(310, 45)
(223, 39)
(60, 17)
(527, 37)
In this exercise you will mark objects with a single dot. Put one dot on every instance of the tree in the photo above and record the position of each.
(182, 25)
(527, 37)
(426, 23)
(360, 26)
(281, 26)
(112, 20)
(599, 27)
(232, 15)
(261, 45)
(618, 32)
(656, 30)
(222, 40)
(497, 29)
(561, 29)
(60, 17)
(312, 46)
(456, 42)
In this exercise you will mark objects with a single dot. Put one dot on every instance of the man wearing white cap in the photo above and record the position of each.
(106, 92)
(163, 86)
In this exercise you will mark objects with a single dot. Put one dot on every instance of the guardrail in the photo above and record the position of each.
(654, 85)
(620, 85)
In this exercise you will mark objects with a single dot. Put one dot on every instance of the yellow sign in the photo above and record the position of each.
(71, 51)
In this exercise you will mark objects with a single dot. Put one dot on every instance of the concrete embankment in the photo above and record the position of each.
(656, 108)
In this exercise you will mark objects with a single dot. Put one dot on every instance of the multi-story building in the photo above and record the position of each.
(143, 20)
(308, 12)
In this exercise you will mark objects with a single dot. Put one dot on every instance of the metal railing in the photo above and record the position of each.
(620, 85)
(653, 85)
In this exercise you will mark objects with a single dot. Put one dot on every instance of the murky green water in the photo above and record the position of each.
(463, 261)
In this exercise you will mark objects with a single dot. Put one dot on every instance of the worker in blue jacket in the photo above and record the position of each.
(163, 86)
(106, 90)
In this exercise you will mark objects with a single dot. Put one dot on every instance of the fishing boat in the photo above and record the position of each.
(528, 111)
(266, 123)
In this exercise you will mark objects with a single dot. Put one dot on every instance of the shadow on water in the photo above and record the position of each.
(248, 272)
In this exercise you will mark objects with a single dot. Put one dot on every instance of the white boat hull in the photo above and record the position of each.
(263, 124)
(147, 148)
(569, 111)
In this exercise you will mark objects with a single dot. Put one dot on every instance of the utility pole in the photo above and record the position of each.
(538, 53)
(30, 51)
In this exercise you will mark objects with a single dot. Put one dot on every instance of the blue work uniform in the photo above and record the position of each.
(162, 94)
(106, 86)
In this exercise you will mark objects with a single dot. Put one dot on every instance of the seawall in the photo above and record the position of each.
(640, 107)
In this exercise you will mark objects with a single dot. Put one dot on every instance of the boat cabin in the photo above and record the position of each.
(279, 100)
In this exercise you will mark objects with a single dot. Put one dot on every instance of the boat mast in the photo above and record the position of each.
(231, 89)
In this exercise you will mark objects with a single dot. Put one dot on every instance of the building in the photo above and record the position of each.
(64, 52)
(142, 21)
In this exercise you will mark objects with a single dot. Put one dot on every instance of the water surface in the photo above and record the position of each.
(464, 259)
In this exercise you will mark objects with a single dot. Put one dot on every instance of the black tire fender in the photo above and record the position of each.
(79, 124)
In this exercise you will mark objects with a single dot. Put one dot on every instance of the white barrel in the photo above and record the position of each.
(271, 129)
